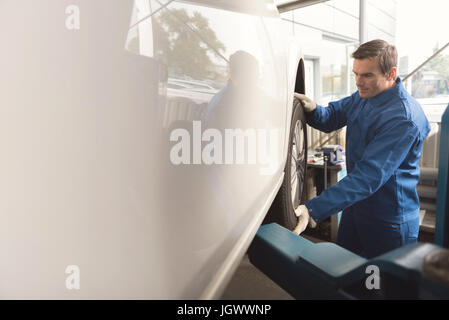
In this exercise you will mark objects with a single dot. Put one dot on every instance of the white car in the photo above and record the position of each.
(112, 185)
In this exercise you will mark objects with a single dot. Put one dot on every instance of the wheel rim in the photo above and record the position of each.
(297, 164)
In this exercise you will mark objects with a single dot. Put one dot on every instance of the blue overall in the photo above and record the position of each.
(384, 138)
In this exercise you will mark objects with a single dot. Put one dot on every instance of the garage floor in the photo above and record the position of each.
(249, 283)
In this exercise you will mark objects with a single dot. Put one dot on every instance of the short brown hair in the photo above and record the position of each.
(388, 55)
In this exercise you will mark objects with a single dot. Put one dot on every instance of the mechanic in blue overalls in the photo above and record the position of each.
(386, 128)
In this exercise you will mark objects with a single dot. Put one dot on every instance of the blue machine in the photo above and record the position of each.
(309, 270)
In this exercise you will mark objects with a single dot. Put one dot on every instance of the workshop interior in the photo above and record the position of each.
(224, 150)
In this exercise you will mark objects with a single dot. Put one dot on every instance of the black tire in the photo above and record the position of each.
(282, 211)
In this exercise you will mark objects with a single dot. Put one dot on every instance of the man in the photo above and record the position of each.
(386, 128)
(240, 93)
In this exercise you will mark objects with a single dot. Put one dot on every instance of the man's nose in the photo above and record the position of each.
(358, 82)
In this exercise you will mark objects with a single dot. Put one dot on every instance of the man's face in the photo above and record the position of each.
(369, 79)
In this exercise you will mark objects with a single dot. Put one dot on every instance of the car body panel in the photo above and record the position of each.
(88, 117)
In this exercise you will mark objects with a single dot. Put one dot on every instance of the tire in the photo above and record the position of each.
(282, 211)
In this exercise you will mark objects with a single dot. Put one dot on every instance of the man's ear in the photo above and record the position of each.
(393, 73)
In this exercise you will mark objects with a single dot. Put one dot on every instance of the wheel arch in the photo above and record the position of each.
(300, 82)
(296, 83)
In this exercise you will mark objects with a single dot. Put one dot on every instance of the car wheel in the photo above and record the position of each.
(291, 193)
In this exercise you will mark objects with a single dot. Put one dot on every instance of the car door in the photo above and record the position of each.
(102, 197)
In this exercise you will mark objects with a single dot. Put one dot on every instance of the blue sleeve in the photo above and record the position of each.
(332, 117)
(382, 157)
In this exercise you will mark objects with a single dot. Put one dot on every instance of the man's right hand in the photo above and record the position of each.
(304, 219)
(309, 105)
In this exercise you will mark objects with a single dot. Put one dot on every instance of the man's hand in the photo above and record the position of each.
(304, 219)
(309, 105)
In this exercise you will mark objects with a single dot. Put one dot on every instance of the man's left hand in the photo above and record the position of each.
(304, 220)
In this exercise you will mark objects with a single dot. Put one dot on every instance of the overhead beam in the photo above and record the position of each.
(291, 5)
(426, 62)
(363, 23)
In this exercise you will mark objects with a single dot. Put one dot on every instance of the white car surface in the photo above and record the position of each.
(93, 204)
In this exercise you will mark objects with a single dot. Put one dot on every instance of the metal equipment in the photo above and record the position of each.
(333, 153)
(326, 271)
